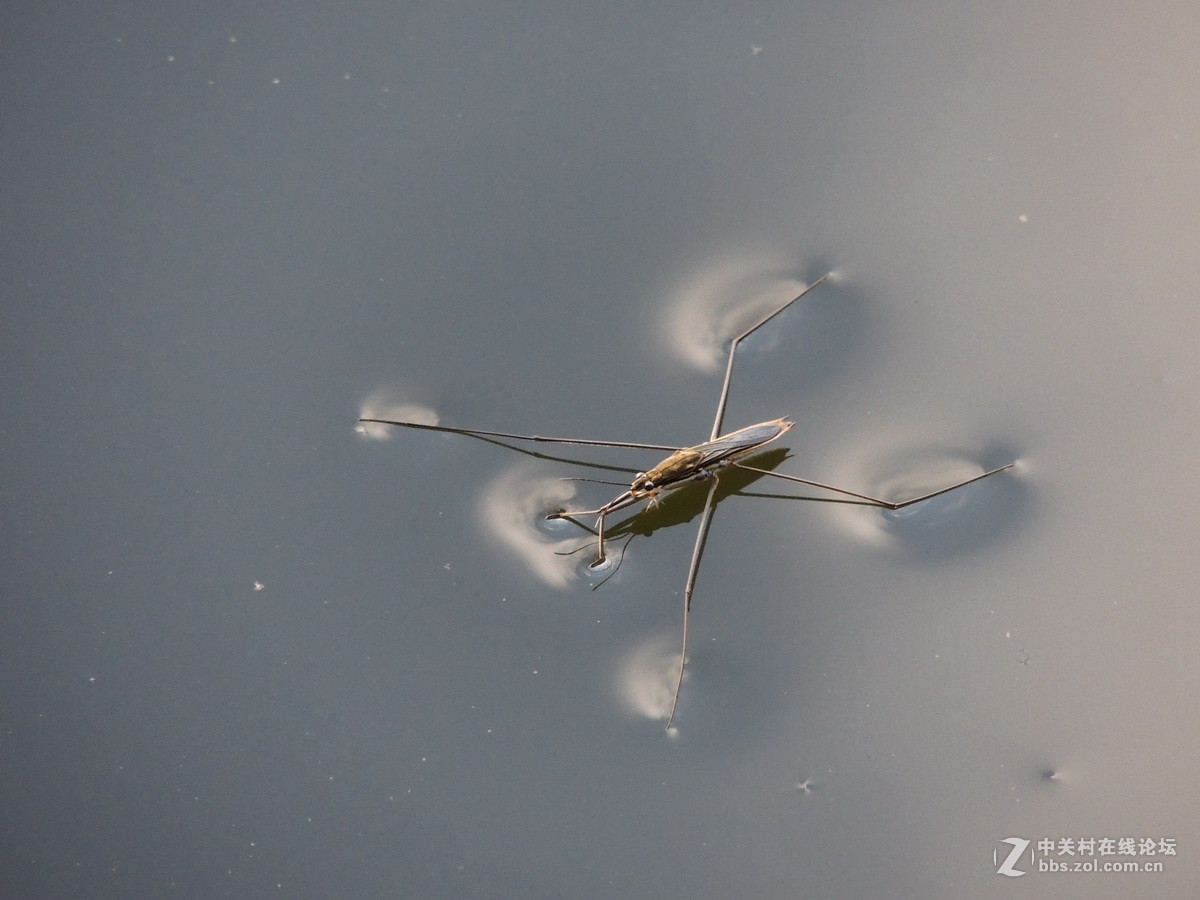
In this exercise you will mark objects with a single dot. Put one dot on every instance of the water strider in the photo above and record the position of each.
(697, 463)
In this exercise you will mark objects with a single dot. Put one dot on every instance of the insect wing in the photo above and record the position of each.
(741, 441)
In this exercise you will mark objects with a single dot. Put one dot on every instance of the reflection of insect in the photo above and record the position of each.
(691, 464)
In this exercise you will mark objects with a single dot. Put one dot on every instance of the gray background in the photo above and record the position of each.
(229, 230)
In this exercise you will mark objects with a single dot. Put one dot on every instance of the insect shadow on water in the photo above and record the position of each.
(690, 465)
(680, 504)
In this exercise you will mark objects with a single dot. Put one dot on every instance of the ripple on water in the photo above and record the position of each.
(513, 510)
(964, 519)
(389, 403)
(722, 300)
(646, 677)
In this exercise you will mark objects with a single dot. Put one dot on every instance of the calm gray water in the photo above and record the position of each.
(250, 651)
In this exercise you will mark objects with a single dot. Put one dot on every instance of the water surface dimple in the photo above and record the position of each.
(722, 300)
(646, 677)
(963, 519)
(513, 510)
(389, 403)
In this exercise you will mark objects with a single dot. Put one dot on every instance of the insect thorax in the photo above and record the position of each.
(675, 468)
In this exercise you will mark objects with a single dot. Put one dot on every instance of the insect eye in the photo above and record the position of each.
(647, 485)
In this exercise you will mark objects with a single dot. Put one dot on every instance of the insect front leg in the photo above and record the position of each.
(600, 557)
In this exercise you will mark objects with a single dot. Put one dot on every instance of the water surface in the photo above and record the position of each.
(249, 650)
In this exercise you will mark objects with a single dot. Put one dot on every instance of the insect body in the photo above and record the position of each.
(683, 466)
(688, 464)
